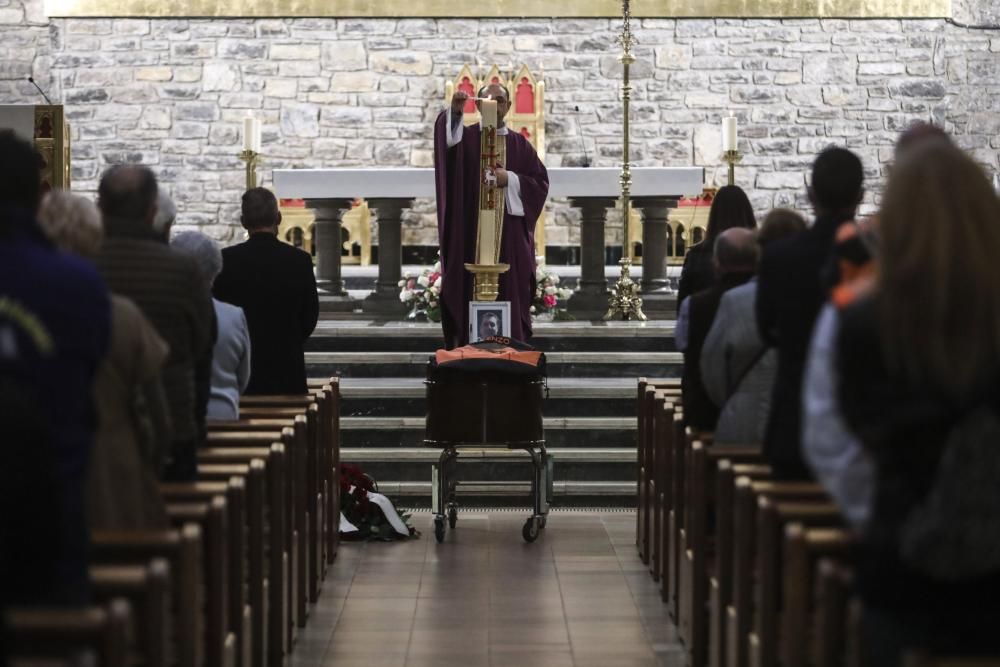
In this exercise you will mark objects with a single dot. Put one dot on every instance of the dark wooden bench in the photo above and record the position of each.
(182, 550)
(147, 590)
(212, 516)
(69, 634)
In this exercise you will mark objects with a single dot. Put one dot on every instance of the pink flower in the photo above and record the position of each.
(434, 276)
(550, 300)
(411, 283)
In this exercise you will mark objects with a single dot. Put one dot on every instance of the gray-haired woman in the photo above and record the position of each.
(231, 356)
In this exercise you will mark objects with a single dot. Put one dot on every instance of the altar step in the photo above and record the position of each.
(568, 397)
(590, 424)
(366, 335)
(566, 493)
(559, 364)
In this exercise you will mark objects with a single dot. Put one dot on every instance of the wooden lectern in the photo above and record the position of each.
(45, 126)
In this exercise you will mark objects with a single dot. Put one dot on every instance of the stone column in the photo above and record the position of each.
(656, 292)
(328, 243)
(590, 299)
(385, 299)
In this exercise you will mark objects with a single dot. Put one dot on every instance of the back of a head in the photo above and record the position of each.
(72, 223)
(730, 208)
(166, 213)
(203, 250)
(736, 251)
(259, 210)
(916, 135)
(127, 193)
(939, 279)
(780, 223)
(837, 181)
(20, 172)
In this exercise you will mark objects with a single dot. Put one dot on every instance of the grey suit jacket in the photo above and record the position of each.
(733, 344)
(230, 362)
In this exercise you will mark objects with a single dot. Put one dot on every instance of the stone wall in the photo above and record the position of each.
(339, 92)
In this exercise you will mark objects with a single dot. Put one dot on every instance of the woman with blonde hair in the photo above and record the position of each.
(918, 357)
(122, 487)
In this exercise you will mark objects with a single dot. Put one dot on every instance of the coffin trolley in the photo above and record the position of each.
(484, 400)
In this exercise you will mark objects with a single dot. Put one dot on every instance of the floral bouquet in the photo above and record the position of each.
(548, 294)
(369, 515)
(422, 294)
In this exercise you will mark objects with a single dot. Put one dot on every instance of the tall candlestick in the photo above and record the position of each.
(487, 215)
(729, 133)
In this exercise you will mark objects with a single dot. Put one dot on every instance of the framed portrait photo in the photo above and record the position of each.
(488, 318)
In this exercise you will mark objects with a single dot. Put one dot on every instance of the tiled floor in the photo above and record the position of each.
(579, 596)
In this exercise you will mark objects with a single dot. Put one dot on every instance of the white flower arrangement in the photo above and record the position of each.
(548, 294)
(422, 293)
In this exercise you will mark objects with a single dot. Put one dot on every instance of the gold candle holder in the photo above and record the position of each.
(252, 158)
(486, 280)
(732, 158)
(624, 300)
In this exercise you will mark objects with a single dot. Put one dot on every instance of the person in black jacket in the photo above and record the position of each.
(730, 208)
(275, 286)
(735, 263)
(790, 294)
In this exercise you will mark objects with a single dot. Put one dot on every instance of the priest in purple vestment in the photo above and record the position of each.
(526, 185)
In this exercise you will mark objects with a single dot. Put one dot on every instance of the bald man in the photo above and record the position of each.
(736, 254)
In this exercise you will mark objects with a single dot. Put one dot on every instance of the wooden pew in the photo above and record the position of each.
(661, 411)
(696, 546)
(675, 503)
(329, 481)
(101, 632)
(278, 559)
(773, 514)
(305, 431)
(254, 475)
(182, 550)
(212, 516)
(293, 441)
(834, 582)
(720, 582)
(645, 444)
(234, 492)
(739, 614)
(147, 590)
(922, 660)
(803, 549)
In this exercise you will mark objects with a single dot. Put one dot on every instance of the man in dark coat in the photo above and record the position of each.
(275, 286)
(137, 263)
(790, 294)
(735, 258)
(525, 185)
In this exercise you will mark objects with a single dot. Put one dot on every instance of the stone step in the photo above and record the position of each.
(566, 494)
(568, 397)
(396, 432)
(560, 364)
(407, 464)
(366, 335)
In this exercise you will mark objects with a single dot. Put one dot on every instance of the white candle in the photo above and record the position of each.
(729, 133)
(256, 134)
(249, 124)
(487, 217)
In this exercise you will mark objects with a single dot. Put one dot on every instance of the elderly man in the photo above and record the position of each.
(525, 184)
(168, 288)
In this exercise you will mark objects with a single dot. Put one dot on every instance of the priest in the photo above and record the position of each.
(525, 185)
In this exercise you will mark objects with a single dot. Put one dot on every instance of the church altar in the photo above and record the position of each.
(594, 190)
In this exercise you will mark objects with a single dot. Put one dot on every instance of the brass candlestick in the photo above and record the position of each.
(252, 158)
(625, 300)
(732, 158)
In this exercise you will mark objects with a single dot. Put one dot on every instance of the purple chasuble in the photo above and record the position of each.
(456, 172)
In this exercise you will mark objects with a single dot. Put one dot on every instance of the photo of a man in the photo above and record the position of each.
(489, 324)
(487, 319)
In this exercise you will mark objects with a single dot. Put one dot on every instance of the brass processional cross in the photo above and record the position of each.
(492, 154)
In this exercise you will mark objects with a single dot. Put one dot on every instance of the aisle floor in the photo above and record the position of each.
(579, 596)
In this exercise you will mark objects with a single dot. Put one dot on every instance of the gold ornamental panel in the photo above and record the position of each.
(501, 8)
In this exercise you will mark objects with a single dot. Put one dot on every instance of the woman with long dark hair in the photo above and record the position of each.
(918, 357)
(730, 208)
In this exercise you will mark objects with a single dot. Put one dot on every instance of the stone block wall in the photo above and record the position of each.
(340, 92)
